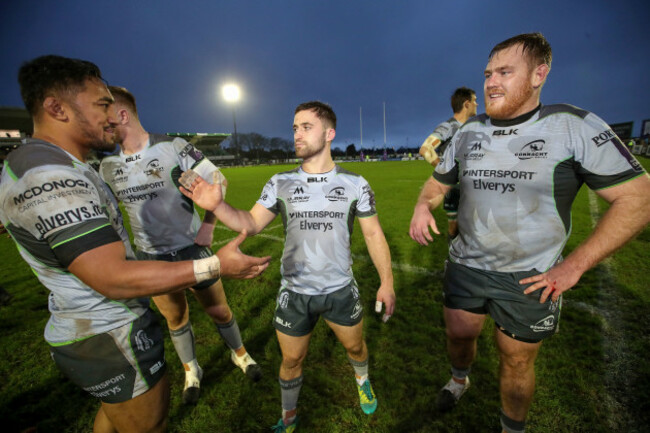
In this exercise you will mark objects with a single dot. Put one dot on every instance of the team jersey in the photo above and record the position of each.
(318, 213)
(56, 208)
(518, 180)
(445, 132)
(162, 219)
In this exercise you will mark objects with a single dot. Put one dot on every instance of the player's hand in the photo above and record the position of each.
(204, 194)
(385, 296)
(205, 234)
(237, 265)
(555, 281)
(429, 153)
(421, 222)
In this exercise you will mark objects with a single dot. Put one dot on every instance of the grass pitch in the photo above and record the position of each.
(591, 377)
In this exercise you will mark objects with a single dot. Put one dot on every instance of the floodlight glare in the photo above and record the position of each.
(230, 92)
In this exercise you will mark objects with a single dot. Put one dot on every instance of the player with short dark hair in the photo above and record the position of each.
(463, 103)
(143, 176)
(318, 202)
(68, 228)
(520, 166)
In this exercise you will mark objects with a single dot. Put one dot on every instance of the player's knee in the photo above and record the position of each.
(291, 362)
(177, 319)
(219, 313)
(355, 350)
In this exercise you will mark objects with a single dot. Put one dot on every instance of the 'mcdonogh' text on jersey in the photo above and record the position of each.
(318, 213)
(518, 180)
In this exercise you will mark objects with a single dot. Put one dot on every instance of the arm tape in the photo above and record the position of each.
(208, 268)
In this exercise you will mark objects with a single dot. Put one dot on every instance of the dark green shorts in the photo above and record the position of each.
(500, 295)
(297, 314)
(118, 365)
(193, 252)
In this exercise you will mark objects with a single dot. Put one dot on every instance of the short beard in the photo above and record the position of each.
(95, 143)
(513, 103)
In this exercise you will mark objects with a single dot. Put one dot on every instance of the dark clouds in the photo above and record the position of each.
(409, 54)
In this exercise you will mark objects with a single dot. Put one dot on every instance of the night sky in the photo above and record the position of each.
(410, 55)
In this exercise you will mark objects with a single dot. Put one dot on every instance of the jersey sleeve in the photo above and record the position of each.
(602, 158)
(269, 196)
(192, 158)
(366, 203)
(446, 171)
(444, 131)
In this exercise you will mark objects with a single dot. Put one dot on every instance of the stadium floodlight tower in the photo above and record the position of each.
(232, 94)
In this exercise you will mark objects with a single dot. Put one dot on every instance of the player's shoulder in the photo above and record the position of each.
(345, 172)
(34, 154)
(562, 110)
(289, 173)
(156, 139)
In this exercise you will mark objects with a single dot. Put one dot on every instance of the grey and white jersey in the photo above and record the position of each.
(318, 213)
(162, 219)
(518, 180)
(445, 132)
(56, 208)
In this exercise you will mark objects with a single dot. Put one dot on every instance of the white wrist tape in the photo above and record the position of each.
(205, 269)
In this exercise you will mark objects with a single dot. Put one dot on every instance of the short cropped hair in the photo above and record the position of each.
(124, 97)
(534, 46)
(323, 111)
(459, 97)
(51, 75)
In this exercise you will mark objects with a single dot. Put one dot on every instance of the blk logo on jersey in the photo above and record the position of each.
(316, 179)
(503, 132)
(133, 158)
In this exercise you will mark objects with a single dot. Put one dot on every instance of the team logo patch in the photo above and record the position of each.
(192, 151)
(142, 341)
(546, 324)
(337, 194)
(358, 309)
(532, 150)
(153, 168)
(283, 300)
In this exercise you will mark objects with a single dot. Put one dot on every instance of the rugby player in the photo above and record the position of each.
(143, 176)
(318, 202)
(463, 103)
(68, 228)
(520, 166)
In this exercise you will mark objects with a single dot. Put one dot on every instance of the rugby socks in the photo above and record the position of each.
(183, 340)
(290, 390)
(459, 373)
(360, 370)
(230, 333)
(510, 425)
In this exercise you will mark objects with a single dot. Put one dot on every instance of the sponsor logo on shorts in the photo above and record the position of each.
(532, 150)
(355, 292)
(157, 366)
(283, 300)
(337, 194)
(100, 390)
(546, 324)
(142, 341)
(282, 322)
(358, 309)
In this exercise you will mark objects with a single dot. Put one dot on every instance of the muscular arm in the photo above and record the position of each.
(107, 270)
(380, 255)
(210, 197)
(628, 214)
(430, 198)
